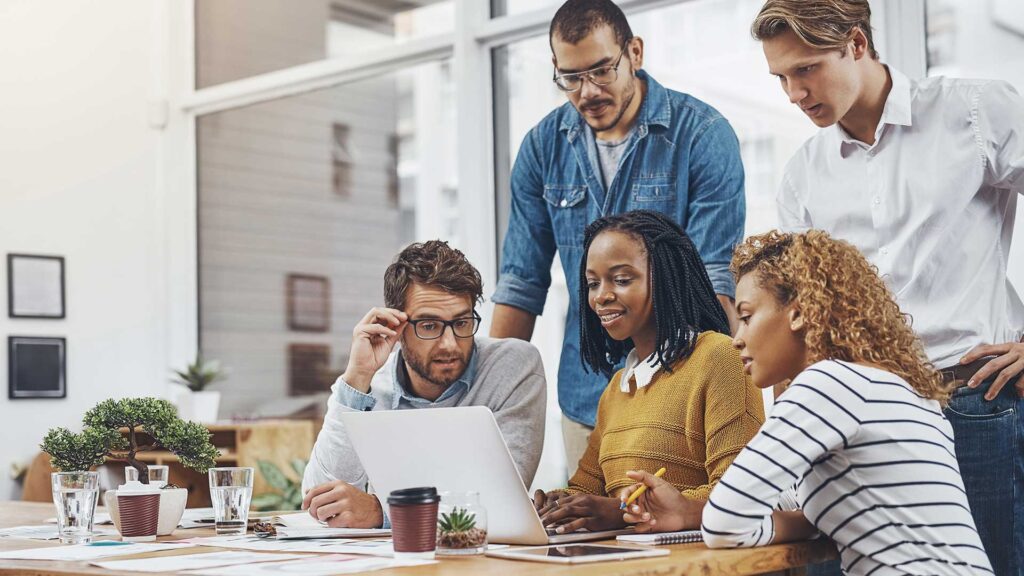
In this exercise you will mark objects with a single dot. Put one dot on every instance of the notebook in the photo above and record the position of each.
(663, 538)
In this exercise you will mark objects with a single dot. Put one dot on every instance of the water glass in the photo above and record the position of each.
(157, 475)
(74, 495)
(231, 492)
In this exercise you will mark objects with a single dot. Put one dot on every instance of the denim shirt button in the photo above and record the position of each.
(564, 203)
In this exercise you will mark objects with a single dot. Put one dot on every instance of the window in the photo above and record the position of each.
(237, 39)
(267, 210)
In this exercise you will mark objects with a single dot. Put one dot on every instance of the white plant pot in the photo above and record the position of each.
(172, 506)
(205, 405)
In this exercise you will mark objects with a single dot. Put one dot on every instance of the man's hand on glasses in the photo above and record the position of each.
(373, 339)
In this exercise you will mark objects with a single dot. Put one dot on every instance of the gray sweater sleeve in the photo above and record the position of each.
(520, 415)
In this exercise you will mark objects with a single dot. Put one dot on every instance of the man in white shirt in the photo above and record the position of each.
(923, 177)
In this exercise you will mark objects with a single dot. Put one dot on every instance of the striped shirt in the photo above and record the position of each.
(874, 469)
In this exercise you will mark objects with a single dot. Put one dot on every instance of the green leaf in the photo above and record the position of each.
(273, 475)
(299, 466)
(266, 502)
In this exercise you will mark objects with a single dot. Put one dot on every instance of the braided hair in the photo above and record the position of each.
(684, 301)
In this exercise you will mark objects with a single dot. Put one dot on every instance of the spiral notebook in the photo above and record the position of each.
(663, 538)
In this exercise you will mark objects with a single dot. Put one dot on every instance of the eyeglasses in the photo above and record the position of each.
(432, 329)
(600, 76)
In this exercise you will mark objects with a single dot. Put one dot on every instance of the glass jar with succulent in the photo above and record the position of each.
(461, 524)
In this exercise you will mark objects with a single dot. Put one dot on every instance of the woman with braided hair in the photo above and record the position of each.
(681, 400)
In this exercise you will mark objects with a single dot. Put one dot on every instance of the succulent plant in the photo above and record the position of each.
(458, 520)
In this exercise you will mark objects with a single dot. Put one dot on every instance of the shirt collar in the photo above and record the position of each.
(896, 111)
(398, 377)
(643, 372)
(655, 109)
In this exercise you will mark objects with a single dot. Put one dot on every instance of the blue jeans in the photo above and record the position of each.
(990, 450)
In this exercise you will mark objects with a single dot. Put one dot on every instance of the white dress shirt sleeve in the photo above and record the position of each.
(1000, 129)
(792, 215)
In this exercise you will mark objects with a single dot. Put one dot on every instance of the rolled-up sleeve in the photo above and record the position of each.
(717, 207)
(529, 247)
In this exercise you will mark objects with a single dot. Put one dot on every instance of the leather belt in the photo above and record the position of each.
(959, 374)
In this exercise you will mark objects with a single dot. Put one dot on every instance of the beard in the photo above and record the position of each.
(441, 377)
(627, 98)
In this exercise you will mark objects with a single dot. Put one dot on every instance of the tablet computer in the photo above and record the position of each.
(576, 553)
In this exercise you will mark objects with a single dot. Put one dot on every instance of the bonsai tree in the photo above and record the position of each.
(199, 374)
(102, 440)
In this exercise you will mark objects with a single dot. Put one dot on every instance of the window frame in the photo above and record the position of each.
(482, 172)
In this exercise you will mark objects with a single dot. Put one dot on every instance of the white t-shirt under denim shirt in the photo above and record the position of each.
(931, 204)
(875, 471)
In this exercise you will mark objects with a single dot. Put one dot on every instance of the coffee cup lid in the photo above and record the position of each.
(423, 495)
(133, 487)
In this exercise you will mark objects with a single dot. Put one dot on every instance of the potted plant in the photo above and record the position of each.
(150, 424)
(201, 405)
(289, 490)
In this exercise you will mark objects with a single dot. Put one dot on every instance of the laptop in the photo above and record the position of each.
(458, 450)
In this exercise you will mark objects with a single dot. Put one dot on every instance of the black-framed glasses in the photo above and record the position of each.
(599, 76)
(433, 328)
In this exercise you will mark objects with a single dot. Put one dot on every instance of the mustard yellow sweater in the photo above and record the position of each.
(693, 422)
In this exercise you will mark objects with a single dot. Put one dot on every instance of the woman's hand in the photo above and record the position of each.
(543, 501)
(594, 513)
(661, 508)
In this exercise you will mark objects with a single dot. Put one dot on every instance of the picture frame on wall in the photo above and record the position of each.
(309, 369)
(35, 286)
(309, 303)
(36, 367)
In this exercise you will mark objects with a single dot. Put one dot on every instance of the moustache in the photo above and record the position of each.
(596, 104)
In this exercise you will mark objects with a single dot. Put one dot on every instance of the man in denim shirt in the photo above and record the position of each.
(622, 142)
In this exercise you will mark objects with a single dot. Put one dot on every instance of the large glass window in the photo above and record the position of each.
(303, 202)
(240, 38)
(702, 48)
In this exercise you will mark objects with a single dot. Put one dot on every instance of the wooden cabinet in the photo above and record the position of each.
(241, 444)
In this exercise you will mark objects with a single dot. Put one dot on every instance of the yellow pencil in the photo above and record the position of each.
(643, 488)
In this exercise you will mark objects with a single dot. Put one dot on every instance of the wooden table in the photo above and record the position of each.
(685, 559)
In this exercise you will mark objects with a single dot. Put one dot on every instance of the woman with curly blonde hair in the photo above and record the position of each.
(858, 441)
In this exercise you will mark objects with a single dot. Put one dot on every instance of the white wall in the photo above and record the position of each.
(80, 179)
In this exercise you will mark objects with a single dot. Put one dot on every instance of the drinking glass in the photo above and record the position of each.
(74, 495)
(231, 492)
(157, 475)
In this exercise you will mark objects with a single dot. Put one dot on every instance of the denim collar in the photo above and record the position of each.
(398, 377)
(655, 109)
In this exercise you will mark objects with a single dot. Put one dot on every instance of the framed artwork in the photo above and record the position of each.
(309, 369)
(35, 286)
(36, 367)
(309, 303)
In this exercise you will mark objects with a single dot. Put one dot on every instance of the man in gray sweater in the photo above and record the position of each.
(430, 292)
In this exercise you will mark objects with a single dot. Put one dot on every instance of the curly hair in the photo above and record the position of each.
(850, 313)
(682, 297)
(433, 263)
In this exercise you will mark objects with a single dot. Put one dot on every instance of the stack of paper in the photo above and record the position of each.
(46, 532)
(323, 546)
(81, 552)
(193, 561)
(318, 566)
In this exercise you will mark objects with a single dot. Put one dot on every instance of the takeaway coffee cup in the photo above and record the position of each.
(413, 514)
(138, 506)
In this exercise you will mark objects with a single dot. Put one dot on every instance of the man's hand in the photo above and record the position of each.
(571, 513)
(373, 339)
(661, 508)
(1008, 363)
(343, 505)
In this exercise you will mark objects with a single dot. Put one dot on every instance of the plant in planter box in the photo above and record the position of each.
(151, 424)
(200, 374)
(201, 404)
